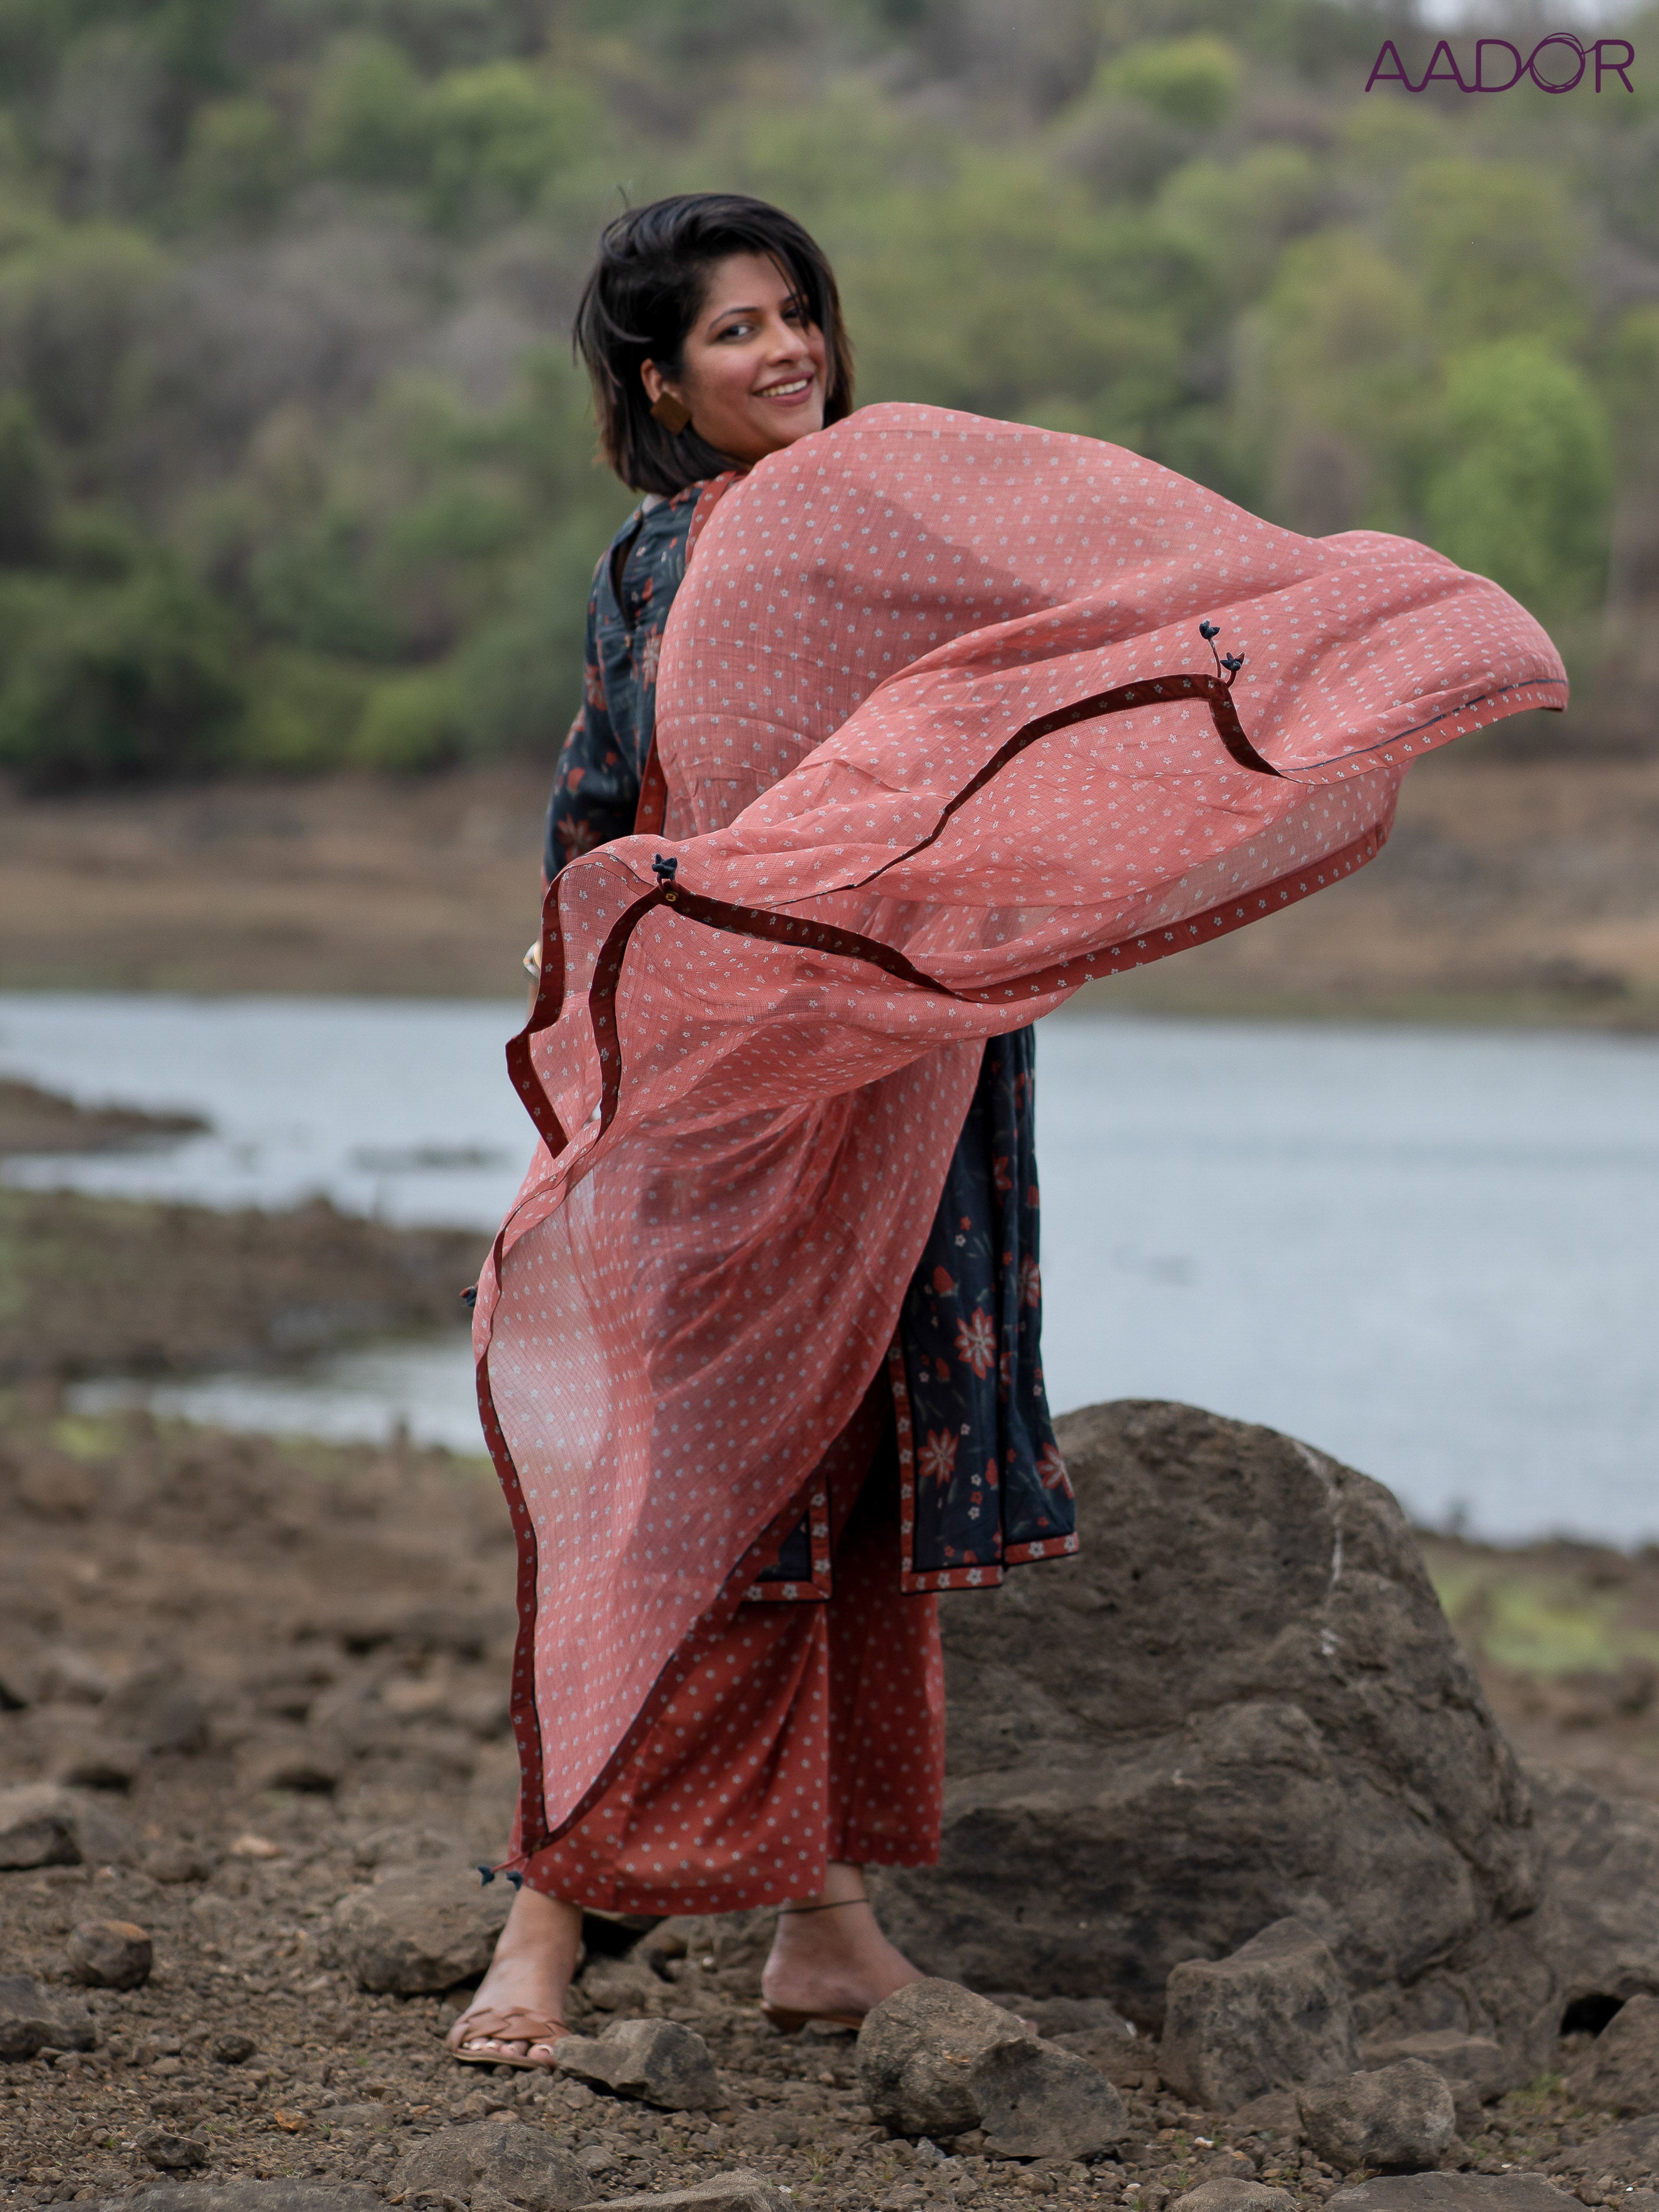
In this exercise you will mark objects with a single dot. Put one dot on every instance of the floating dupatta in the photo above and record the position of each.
(944, 736)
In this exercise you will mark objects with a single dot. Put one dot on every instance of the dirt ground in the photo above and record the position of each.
(272, 1667)
(1520, 886)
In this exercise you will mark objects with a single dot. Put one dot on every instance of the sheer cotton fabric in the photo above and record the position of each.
(744, 1139)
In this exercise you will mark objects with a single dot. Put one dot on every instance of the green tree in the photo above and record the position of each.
(1193, 80)
(497, 135)
(1522, 495)
(27, 488)
(367, 119)
(238, 162)
(1497, 250)
(1339, 389)
(75, 311)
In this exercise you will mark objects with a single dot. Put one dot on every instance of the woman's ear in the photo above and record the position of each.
(666, 407)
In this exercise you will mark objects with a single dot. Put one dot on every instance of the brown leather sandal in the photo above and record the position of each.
(515, 2025)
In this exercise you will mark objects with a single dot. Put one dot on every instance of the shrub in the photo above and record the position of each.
(131, 683)
(1192, 80)
(1524, 497)
(410, 725)
(302, 714)
(237, 163)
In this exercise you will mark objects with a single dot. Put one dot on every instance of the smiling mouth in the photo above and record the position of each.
(790, 390)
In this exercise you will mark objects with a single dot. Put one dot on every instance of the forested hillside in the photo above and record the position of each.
(295, 471)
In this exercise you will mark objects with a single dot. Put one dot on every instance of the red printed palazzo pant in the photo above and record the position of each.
(784, 1735)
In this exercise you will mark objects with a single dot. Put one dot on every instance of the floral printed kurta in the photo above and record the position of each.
(989, 1488)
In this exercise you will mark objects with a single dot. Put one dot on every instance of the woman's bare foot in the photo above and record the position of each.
(536, 1955)
(835, 1961)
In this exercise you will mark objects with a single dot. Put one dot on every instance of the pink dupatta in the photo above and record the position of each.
(941, 742)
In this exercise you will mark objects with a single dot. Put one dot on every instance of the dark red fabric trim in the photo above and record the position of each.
(1215, 689)
(522, 1716)
(653, 809)
(549, 1004)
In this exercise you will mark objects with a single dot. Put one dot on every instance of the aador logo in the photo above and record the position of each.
(1556, 63)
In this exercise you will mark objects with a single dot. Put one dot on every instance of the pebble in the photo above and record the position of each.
(110, 1954)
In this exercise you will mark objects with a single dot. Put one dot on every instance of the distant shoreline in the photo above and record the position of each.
(1516, 893)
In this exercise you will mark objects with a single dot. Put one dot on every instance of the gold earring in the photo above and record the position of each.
(673, 414)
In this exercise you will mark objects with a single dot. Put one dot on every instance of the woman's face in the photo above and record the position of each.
(753, 367)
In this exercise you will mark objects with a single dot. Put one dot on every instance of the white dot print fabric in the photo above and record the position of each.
(746, 1135)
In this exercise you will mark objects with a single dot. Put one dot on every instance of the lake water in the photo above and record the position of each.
(1435, 1255)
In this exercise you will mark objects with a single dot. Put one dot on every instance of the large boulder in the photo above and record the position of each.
(1240, 1704)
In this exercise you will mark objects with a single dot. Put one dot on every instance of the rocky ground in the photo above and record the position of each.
(265, 1682)
(1521, 885)
(253, 1736)
(94, 1285)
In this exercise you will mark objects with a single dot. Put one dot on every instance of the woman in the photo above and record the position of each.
(711, 328)
(939, 735)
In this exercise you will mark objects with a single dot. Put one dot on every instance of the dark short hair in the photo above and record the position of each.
(642, 298)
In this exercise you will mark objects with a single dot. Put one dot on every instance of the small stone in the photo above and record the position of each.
(1453, 2192)
(159, 1712)
(419, 1930)
(110, 1954)
(1619, 2072)
(1476, 2068)
(1635, 2145)
(1401, 2116)
(99, 1764)
(368, 2117)
(1231, 2194)
(657, 2061)
(302, 1762)
(407, 1846)
(1276, 2114)
(935, 2060)
(1273, 2015)
(68, 1677)
(624, 1986)
(231, 2049)
(178, 1861)
(250, 1846)
(42, 1824)
(28, 2023)
(172, 2153)
(523, 2163)
(31, 2022)
(726, 2192)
